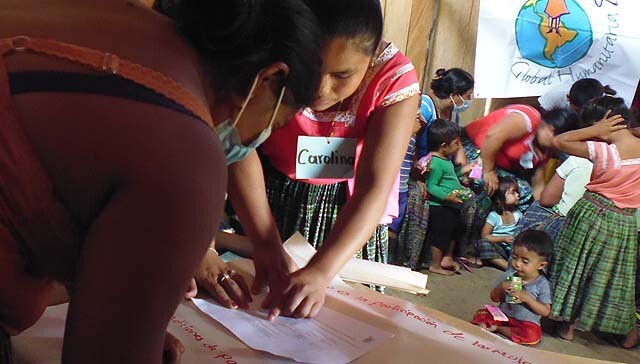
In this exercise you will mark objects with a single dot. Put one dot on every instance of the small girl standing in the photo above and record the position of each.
(593, 271)
(500, 227)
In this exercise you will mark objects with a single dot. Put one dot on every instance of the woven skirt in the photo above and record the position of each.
(594, 268)
(312, 210)
(541, 218)
(487, 250)
(410, 251)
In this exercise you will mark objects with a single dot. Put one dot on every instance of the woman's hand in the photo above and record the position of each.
(272, 265)
(490, 182)
(423, 189)
(607, 126)
(192, 289)
(173, 349)
(303, 296)
(466, 169)
(225, 285)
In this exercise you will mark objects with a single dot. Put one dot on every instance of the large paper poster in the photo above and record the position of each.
(529, 47)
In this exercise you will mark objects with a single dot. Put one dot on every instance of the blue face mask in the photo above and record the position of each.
(466, 104)
(234, 150)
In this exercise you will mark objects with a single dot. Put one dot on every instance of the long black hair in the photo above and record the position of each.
(238, 38)
(562, 119)
(356, 20)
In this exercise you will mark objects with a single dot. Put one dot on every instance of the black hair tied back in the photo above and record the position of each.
(238, 38)
(607, 90)
(454, 81)
(218, 27)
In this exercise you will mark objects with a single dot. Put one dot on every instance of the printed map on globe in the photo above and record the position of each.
(553, 33)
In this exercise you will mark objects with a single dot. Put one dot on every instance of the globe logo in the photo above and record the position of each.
(553, 33)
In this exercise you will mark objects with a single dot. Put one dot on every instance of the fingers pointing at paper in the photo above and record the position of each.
(225, 285)
(303, 296)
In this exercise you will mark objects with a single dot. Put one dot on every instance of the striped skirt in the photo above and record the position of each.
(541, 218)
(594, 267)
(487, 250)
(312, 210)
(410, 251)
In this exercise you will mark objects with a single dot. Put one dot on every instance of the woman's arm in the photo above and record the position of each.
(248, 196)
(238, 244)
(552, 191)
(573, 142)
(143, 247)
(246, 189)
(385, 145)
(512, 127)
(537, 181)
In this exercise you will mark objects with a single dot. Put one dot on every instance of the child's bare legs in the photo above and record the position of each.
(447, 260)
(503, 330)
(565, 330)
(500, 263)
(436, 262)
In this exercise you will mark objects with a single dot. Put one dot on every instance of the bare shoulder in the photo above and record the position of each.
(127, 29)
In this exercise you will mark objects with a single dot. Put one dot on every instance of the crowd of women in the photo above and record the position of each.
(124, 128)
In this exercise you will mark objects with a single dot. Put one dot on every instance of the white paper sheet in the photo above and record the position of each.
(330, 337)
(362, 271)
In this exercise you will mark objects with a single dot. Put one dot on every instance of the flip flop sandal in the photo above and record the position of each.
(463, 264)
(470, 263)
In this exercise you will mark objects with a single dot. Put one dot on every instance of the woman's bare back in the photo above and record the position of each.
(84, 140)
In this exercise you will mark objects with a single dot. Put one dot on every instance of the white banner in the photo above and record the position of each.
(529, 47)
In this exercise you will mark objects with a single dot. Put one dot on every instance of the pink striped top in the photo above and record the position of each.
(614, 178)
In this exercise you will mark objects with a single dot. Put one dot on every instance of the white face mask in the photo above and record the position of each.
(234, 150)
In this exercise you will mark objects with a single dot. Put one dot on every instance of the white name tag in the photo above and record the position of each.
(322, 157)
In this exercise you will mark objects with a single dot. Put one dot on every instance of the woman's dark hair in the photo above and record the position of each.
(357, 20)
(441, 131)
(499, 198)
(536, 241)
(586, 89)
(597, 108)
(238, 38)
(454, 81)
(562, 119)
